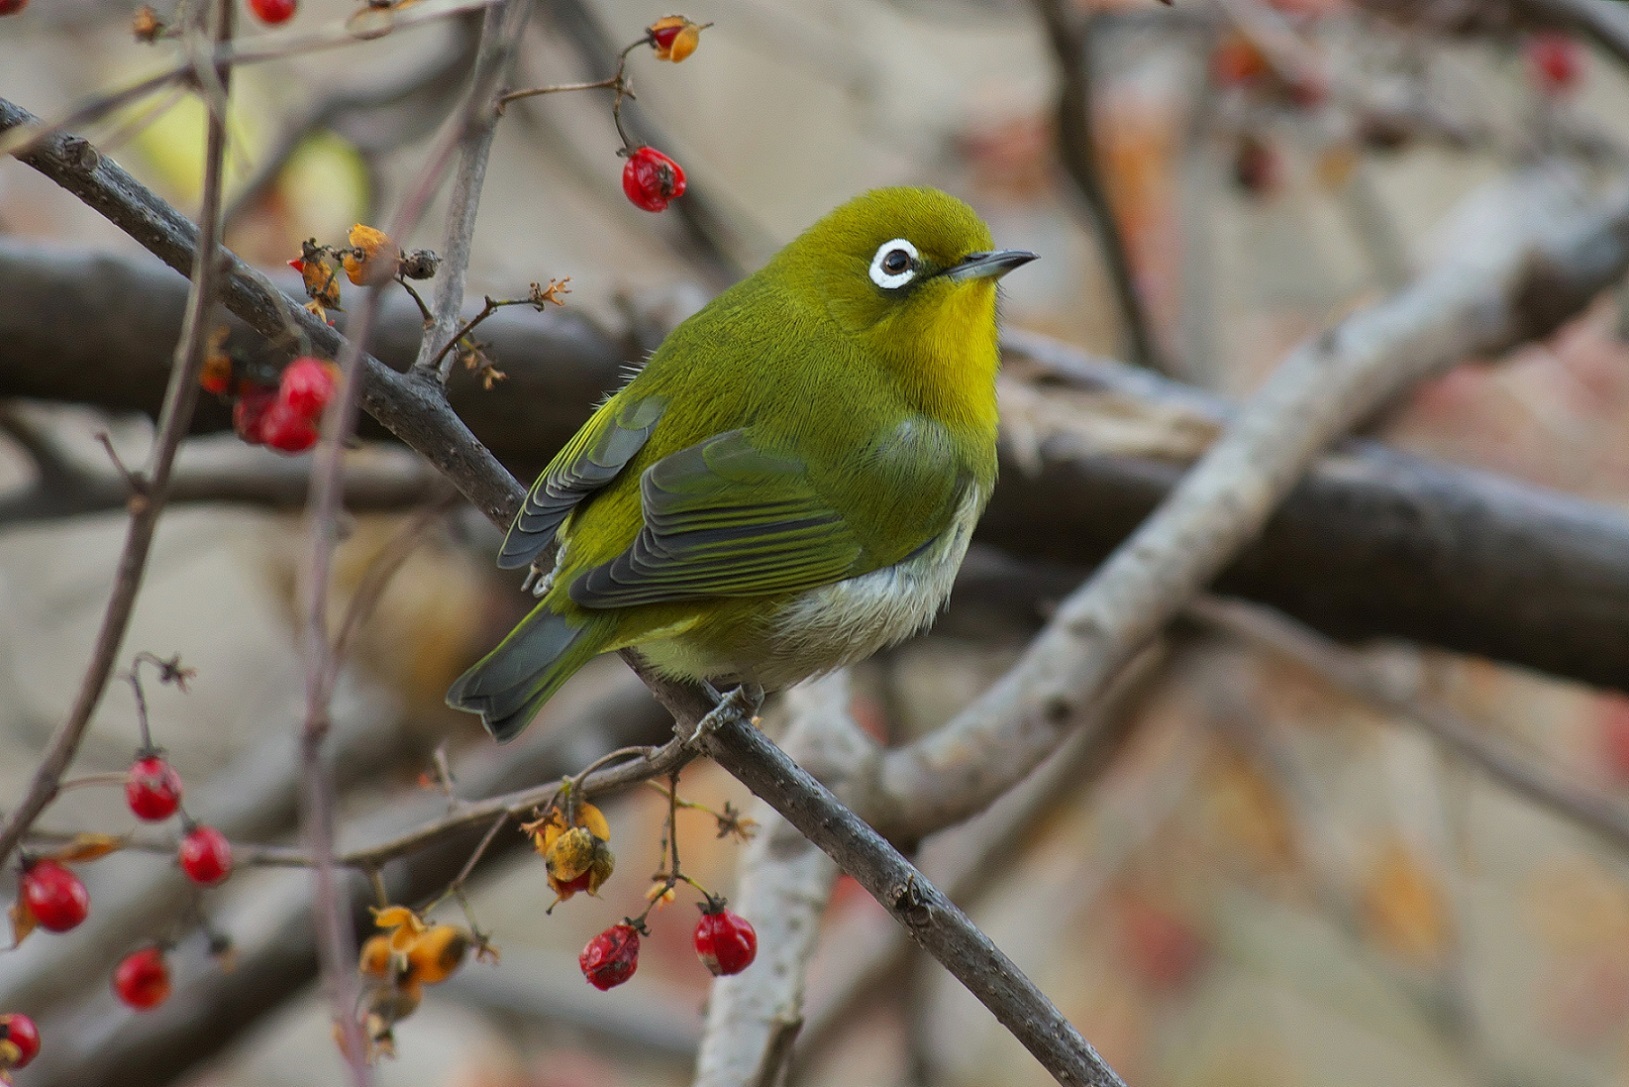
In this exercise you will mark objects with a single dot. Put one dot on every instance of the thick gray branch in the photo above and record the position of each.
(1371, 542)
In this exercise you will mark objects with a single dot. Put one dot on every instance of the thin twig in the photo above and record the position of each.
(336, 940)
(501, 30)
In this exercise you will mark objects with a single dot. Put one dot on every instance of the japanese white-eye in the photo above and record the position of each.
(789, 484)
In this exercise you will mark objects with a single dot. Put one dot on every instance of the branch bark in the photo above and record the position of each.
(931, 919)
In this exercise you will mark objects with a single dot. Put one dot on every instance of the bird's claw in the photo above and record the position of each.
(742, 701)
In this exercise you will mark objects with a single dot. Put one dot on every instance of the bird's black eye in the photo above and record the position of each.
(894, 265)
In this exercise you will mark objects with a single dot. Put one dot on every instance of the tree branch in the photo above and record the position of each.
(153, 484)
(930, 918)
(1069, 33)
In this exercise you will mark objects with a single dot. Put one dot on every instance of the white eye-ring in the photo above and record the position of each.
(894, 265)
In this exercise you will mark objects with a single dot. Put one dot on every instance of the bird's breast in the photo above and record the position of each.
(838, 624)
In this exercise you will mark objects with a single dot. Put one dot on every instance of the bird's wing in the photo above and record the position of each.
(725, 518)
(593, 457)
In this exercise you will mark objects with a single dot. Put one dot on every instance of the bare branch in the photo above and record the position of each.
(1070, 32)
(931, 919)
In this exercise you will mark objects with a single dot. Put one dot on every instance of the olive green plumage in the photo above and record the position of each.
(789, 482)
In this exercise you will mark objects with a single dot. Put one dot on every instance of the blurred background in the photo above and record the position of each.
(1268, 882)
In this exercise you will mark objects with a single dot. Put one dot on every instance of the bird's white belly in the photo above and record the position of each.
(839, 624)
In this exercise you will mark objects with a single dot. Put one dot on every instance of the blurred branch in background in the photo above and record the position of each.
(1069, 31)
(1372, 542)
(785, 881)
(1523, 773)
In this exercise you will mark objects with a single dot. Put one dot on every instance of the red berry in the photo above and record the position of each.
(725, 941)
(273, 11)
(611, 957)
(152, 788)
(286, 430)
(662, 36)
(1555, 60)
(142, 978)
(206, 855)
(55, 896)
(307, 386)
(651, 179)
(12, 7)
(20, 1031)
(249, 412)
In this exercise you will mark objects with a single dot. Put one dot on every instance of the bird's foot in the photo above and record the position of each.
(742, 701)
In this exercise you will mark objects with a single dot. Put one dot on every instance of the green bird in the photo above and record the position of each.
(789, 484)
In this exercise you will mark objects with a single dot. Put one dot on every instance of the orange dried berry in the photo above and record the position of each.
(320, 276)
(372, 257)
(437, 953)
(216, 375)
(674, 37)
(146, 25)
(578, 861)
(374, 961)
(403, 926)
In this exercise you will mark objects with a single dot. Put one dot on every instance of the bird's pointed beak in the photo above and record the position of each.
(992, 265)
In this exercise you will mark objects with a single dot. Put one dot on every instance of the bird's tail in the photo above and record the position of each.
(510, 684)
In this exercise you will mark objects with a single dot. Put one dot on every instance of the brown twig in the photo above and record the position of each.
(336, 944)
(501, 30)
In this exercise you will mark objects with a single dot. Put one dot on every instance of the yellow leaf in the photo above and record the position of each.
(591, 817)
(22, 922)
(88, 847)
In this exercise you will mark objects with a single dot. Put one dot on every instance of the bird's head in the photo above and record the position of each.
(912, 273)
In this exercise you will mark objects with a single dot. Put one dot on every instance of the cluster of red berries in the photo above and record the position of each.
(272, 12)
(56, 899)
(152, 789)
(285, 418)
(725, 942)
